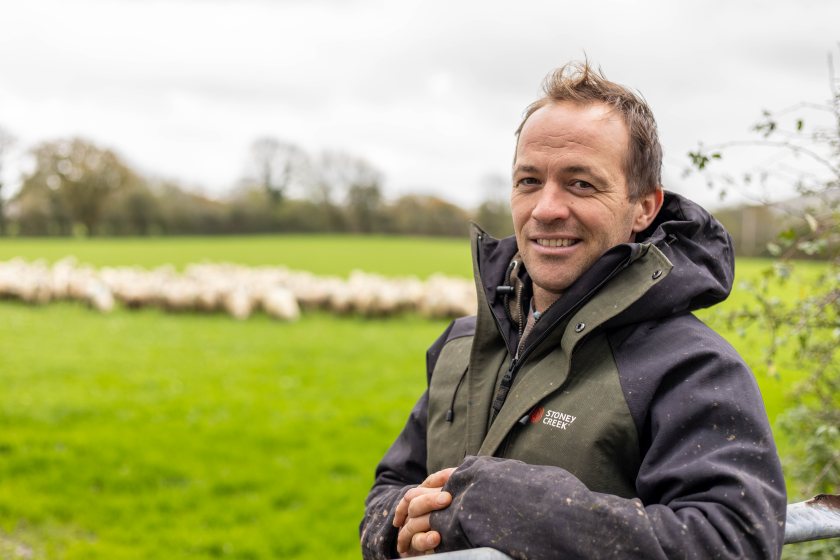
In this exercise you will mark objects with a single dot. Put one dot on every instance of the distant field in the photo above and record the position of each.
(144, 435)
(320, 254)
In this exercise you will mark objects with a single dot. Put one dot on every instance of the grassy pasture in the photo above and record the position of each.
(319, 254)
(145, 435)
(139, 435)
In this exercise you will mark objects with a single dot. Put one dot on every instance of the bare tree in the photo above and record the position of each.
(277, 166)
(360, 183)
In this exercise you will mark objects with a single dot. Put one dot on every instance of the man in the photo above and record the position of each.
(585, 412)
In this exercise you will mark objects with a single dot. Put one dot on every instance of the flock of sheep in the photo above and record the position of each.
(234, 289)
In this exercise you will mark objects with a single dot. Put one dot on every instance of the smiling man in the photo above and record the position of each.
(571, 202)
(585, 412)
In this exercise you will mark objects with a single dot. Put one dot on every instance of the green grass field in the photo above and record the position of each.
(145, 435)
(140, 435)
(319, 254)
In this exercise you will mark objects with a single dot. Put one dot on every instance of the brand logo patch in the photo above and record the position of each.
(556, 419)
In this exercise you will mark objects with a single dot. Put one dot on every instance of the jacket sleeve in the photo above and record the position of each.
(709, 486)
(402, 468)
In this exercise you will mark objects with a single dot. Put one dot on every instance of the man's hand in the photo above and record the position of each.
(412, 515)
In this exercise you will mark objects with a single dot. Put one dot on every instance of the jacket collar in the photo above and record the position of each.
(696, 244)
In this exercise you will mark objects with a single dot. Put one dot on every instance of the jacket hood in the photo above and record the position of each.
(697, 245)
(702, 254)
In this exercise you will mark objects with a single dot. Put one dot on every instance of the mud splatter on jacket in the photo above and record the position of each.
(626, 428)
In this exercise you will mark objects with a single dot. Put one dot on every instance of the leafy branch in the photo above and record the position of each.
(802, 328)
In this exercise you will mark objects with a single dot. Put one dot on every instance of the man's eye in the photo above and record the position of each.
(526, 182)
(582, 185)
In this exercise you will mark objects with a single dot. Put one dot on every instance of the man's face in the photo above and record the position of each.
(570, 195)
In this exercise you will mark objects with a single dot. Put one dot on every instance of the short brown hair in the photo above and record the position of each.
(578, 82)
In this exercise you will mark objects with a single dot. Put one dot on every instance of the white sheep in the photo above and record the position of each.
(281, 304)
(236, 289)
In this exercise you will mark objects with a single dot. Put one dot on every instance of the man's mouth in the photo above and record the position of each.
(556, 242)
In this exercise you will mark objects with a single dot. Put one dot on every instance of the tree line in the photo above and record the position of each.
(77, 188)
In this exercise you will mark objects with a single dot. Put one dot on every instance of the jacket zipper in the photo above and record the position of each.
(507, 380)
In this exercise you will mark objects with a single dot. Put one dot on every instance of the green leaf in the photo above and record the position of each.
(788, 235)
(698, 159)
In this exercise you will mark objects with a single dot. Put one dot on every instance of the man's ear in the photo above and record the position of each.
(647, 207)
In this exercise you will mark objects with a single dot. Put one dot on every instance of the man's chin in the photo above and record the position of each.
(548, 289)
(551, 278)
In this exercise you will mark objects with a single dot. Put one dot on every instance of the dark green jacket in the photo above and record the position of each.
(625, 428)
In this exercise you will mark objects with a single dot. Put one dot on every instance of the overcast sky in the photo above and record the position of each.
(427, 91)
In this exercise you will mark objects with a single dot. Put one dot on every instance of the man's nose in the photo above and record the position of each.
(553, 204)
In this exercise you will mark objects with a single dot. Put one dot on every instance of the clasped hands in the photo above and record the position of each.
(415, 535)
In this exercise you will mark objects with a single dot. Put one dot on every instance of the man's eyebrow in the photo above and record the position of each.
(573, 169)
(586, 170)
(578, 169)
(525, 169)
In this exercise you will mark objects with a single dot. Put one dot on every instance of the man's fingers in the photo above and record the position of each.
(422, 543)
(433, 483)
(425, 542)
(428, 503)
(413, 526)
(411, 516)
(401, 513)
(419, 491)
(415, 535)
(438, 478)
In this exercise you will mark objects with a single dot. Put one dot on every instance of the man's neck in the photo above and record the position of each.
(543, 298)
